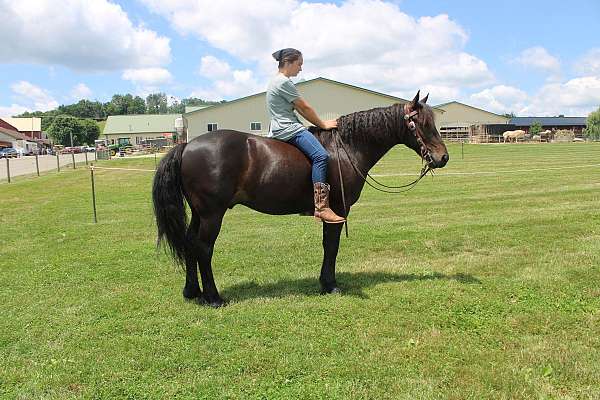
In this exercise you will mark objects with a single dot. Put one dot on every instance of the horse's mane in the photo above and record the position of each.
(374, 125)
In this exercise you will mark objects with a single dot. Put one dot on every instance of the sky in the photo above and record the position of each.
(531, 58)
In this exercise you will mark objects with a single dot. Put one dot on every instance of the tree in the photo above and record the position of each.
(535, 128)
(125, 104)
(90, 130)
(592, 129)
(156, 103)
(63, 128)
(509, 115)
(83, 131)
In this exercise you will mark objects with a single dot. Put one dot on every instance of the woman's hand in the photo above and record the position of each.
(329, 124)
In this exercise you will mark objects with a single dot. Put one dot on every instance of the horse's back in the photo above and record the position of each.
(227, 167)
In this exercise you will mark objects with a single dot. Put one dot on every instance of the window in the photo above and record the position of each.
(212, 127)
(255, 126)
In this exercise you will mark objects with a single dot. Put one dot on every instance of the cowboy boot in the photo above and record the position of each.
(322, 210)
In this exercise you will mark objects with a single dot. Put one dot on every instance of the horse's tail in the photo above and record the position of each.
(169, 204)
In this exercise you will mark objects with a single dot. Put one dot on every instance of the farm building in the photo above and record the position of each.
(574, 124)
(330, 99)
(463, 122)
(142, 127)
(12, 138)
(30, 127)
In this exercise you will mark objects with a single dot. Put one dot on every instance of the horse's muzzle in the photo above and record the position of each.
(441, 163)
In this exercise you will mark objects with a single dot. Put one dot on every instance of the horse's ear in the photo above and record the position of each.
(415, 102)
(425, 99)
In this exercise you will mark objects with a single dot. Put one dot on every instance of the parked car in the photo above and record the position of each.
(8, 152)
(90, 149)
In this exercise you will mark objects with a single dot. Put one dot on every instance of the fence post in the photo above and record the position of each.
(37, 165)
(462, 149)
(155, 160)
(73, 156)
(93, 193)
(57, 163)
(86, 160)
(8, 168)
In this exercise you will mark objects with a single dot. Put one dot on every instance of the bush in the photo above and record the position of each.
(592, 131)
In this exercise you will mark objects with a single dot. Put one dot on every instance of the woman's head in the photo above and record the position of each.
(290, 61)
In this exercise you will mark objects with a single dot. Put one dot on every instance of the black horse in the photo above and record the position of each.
(223, 168)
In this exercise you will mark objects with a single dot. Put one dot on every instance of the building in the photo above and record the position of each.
(142, 127)
(330, 99)
(16, 140)
(574, 124)
(463, 122)
(30, 127)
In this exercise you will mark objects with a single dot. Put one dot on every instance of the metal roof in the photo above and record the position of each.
(143, 123)
(549, 121)
(25, 124)
(440, 106)
(299, 84)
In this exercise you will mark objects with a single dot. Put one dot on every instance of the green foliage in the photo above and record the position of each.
(125, 105)
(592, 130)
(84, 109)
(82, 131)
(535, 128)
(156, 103)
(509, 115)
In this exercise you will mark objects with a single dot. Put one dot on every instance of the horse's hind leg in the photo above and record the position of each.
(210, 225)
(191, 289)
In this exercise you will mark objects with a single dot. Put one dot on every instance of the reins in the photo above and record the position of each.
(425, 156)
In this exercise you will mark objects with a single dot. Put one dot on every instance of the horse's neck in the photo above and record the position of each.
(368, 152)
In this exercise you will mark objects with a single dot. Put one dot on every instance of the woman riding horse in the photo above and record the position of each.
(282, 99)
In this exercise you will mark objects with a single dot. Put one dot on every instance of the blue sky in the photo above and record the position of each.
(527, 57)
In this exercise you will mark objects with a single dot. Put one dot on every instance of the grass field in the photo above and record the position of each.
(482, 282)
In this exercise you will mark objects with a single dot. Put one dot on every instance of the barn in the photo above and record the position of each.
(139, 128)
(573, 124)
(330, 99)
(462, 122)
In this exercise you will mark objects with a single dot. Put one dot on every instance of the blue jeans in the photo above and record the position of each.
(315, 151)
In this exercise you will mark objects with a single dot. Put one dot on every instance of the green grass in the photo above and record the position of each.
(467, 287)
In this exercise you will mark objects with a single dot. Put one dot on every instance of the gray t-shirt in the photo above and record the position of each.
(281, 92)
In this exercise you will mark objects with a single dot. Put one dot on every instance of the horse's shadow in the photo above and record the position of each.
(351, 283)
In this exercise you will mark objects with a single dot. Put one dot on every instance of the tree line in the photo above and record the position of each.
(78, 120)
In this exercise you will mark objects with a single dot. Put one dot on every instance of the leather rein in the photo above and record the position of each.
(425, 157)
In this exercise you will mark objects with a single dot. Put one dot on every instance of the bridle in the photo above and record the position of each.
(412, 127)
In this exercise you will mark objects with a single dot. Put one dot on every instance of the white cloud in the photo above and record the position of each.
(213, 68)
(576, 97)
(589, 64)
(81, 91)
(500, 99)
(78, 34)
(148, 76)
(539, 58)
(230, 83)
(32, 94)
(368, 43)
(13, 110)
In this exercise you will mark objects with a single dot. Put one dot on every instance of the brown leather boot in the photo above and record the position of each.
(322, 210)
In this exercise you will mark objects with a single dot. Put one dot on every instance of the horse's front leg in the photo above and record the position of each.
(331, 244)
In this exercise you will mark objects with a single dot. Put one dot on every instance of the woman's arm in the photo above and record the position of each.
(311, 116)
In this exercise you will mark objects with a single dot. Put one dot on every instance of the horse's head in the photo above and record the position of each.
(422, 135)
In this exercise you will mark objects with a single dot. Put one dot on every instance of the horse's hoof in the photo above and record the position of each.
(214, 303)
(331, 290)
(191, 293)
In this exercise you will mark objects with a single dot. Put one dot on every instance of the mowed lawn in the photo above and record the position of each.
(482, 282)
